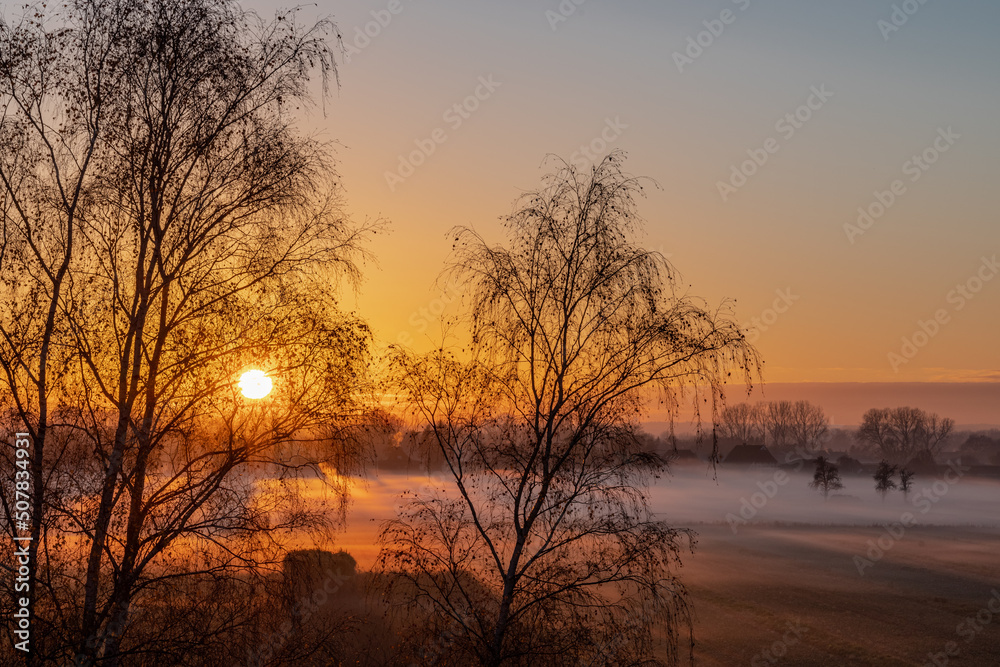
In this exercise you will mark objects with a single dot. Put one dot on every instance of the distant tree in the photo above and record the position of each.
(883, 477)
(743, 422)
(905, 481)
(981, 446)
(902, 433)
(778, 418)
(543, 549)
(826, 477)
(780, 424)
(933, 433)
(807, 426)
(892, 431)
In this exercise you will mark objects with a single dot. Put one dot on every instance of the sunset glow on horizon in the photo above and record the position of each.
(501, 334)
(773, 169)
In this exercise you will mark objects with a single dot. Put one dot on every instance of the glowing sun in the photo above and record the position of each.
(255, 384)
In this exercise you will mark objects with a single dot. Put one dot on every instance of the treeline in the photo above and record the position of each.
(781, 425)
(899, 435)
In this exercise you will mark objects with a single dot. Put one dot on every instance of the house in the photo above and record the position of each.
(750, 455)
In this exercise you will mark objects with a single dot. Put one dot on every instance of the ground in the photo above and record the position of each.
(753, 590)
(794, 563)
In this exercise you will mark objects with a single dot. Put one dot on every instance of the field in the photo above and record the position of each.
(790, 573)
(765, 584)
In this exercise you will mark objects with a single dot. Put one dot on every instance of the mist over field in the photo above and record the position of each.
(499, 334)
(693, 495)
(862, 580)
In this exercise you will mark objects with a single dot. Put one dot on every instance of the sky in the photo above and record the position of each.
(828, 165)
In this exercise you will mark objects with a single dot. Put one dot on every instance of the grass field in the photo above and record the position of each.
(791, 572)
(753, 590)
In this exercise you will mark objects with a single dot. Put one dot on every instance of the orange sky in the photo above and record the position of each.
(836, 112)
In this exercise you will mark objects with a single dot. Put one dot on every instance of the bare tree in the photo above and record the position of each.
(166, 226)
(876, 431)
(905, 481)
(52, 119)
(934, 432)
(545, 551)
(883, 478)
(778, 420)
(808, 425)
(826, 477)
(743, 422)
(781, 423)
(902, 433)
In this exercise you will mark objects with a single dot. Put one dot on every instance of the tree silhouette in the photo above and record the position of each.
(743, 422)
(808, 425)
(826, 477)
(902, 433)
(544, 551)
(905, 481)
(883, 478)
(781, 423)
(166, 226)
(778, 423)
